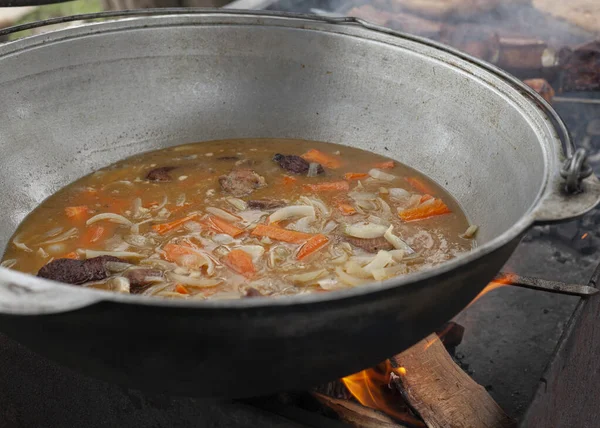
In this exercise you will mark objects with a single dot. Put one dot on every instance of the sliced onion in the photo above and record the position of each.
(470, 232)
(355, 269)
(399, 193)
(380, 175)
(383, 191)
(56, 248)
(362, 196)
(292, 211)
(398, 243)
(255, 251)
(162, 204)
(390, 272)
(222, 239)
(158, 263)
(117, 266)
(89, 254)
(398, 255)
(138, 241)
(53, 232)
(277, 255)
(317, 203)
(42, 253)
(225, 295)
(385, 208)
(22, 246)
(306, 277)
(237, 203)
(378, 220)
(119, 284)
(330, 226)
(330, 284)
(223, 214)
(194, 282)
(365, 230)
(348, 279)
(180, 199)
(303, 225)
(71, 233)
(381, 260)
(313, 169)
(8, 263)
(112, 217)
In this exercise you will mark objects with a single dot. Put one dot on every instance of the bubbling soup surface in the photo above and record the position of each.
(241, 218)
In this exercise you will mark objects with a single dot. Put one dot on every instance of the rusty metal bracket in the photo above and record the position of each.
(580, 290)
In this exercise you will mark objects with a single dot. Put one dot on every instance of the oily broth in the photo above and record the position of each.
(194, 186)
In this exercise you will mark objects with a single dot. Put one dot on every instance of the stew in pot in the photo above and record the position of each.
(241, 218)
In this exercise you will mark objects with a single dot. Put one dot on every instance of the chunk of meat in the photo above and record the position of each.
(138, 278)
(252, 292)
(160, 174)
(295, 164)
(241, 182)
(370, 245)
(266, 204)
(77, 272)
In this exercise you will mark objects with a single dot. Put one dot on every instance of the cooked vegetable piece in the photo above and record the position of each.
(329, 161)
(431, 208)
(77, 213)
(346, 209)
(418, 185)
(331, 186)
(241, 262)
(425, 198)
(167, 227)
(252, 292)
(312, 245)
(385, 165)
(225, 227)
(180, 288)
(355, 175)
(94, 234)
(288, 181)
(280, 234)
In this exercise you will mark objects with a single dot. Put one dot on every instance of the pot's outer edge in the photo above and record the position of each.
(550, 195)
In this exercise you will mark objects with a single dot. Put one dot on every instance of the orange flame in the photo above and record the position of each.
(506, 279)
(585, 235)
(372, 389)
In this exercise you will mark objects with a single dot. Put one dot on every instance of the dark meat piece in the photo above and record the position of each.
(370, 245)
(582, 68)
(137, 277)
(295, 164)
(78, 271)
(265, 204)
(228, 158)
(241, 182)
(253, 292)
(160, 174)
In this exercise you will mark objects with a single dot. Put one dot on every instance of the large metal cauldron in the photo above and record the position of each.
(79, 99)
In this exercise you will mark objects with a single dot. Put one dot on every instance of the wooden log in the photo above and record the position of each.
(356, 414)
(441, 392)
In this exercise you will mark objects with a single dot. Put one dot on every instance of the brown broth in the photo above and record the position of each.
(194, 187)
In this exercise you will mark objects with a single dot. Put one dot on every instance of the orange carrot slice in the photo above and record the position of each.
(180, 288)
(241, 262)
(346, 209)
(225, 227)
(72, 255)
(312, 245)
(167, 227)
(330, 161)
(355, 175)
(93, 234)
(288, 181)
(429, 209)
(385, 165)
(418, 184)
(330, 186)
(280, 234)
(174, 251)
(77, 213)
(425, 198)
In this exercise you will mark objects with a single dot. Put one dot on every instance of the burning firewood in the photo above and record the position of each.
(357, 415)
(441, 393)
